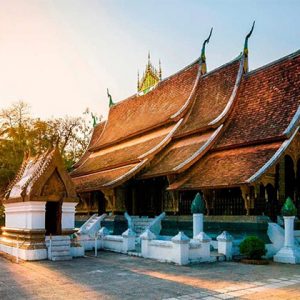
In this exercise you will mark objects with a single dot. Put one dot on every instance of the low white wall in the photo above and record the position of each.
(199, 251)
(117, 243)
(160, 250)
(297, 236)
(112, 242)
(35, 254)
(77, 251)
(25, 215)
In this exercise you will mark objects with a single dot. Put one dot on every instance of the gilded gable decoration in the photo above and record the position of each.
(151, 77)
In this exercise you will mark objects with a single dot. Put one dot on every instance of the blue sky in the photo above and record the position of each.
(61, 55)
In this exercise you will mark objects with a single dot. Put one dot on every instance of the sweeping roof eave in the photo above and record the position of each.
(214, 99)
(230, 168)
(267, 106)
(182, 154)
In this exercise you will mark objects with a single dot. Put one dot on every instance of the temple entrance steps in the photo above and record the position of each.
(140, 224)
(59, 247)
(92, 225)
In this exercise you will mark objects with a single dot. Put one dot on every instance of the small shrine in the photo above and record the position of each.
(39, 205)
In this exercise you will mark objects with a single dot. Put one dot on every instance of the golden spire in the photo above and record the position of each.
(151, 77)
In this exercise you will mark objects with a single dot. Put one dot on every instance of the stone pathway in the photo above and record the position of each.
(117, 276)
(244, 291)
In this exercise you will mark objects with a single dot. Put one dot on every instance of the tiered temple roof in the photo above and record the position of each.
(217, 129)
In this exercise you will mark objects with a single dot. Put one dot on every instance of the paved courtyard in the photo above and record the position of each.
(116, 276)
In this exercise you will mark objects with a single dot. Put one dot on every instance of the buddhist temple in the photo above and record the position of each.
(229, 133)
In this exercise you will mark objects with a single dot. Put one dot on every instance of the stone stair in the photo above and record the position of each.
(59, 248)
(92, 225)
(140, 224)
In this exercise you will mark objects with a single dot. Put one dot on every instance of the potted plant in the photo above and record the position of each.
(253, 249)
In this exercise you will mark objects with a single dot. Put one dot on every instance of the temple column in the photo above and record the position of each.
(246, 197)
(175, 197)
(206, 194)
(115, 201)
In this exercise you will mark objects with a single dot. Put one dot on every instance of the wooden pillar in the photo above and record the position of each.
(115, 201)
(246, 197)
(175, 200)
(206, 197)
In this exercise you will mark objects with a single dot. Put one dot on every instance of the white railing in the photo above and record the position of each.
(83, 227)
(155, 225)
(129, 221)
(96, 225)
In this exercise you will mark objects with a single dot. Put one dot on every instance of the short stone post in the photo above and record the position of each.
(102, 233)
(128, 240)
(204, 240)
(197, 209)
(181, 248)
(225, 244)
(146, 238)
(289, 253)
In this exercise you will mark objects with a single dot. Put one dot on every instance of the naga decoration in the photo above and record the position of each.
(246, 64)
(94, 117)
(203, 57)
(111, 103)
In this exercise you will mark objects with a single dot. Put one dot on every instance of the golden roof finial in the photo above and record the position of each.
(151, 77)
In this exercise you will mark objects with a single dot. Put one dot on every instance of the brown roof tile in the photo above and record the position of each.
(97, 180)
(267, 101)
(226, 168)
(95, 136)
(122, 154)
(213, 92)
(139, 113)
(175, 154)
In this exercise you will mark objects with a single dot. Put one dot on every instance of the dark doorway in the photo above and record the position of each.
(53, 218)
(145, 197)
(272, 207)
(99, 198)
(289, 177)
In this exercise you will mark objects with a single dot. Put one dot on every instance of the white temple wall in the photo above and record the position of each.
(25, 215)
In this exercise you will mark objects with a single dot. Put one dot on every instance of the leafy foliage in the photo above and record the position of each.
(289, 208)
(198, 205)
(252, 247)
(1, 215)
(20, 133)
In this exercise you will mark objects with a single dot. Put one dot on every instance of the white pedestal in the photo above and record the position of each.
(289, 254)
(225, 244)
(197, 224)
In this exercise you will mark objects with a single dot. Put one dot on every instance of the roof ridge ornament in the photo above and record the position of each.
(246, 51)
(94, 117)
(111, 103)
(203, 57)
